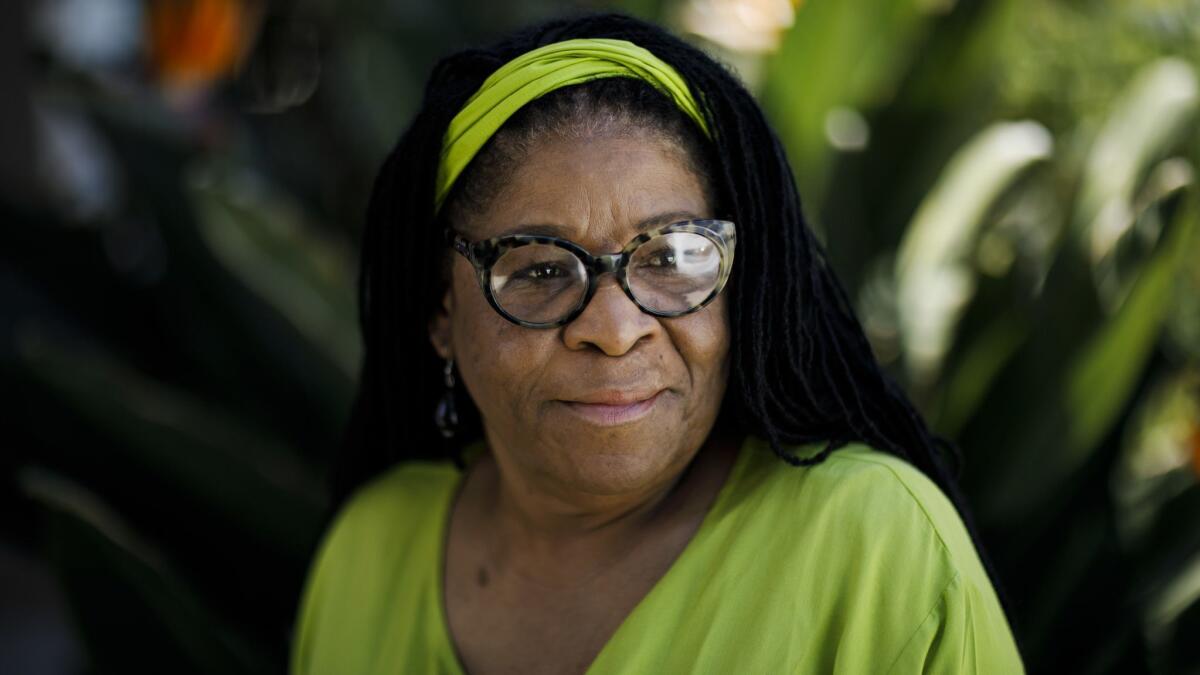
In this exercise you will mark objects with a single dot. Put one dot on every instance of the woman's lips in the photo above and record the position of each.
(615, 408)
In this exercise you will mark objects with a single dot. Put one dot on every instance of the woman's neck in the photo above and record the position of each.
(541, 536)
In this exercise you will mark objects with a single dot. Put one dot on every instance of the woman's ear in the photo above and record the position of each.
(439, 327)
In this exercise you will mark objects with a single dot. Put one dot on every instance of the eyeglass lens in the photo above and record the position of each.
(542, 283)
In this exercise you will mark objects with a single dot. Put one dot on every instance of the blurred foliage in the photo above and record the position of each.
(1006, 186)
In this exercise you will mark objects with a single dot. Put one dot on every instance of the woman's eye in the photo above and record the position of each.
(663, 258)
(541, 272)
(673, 257)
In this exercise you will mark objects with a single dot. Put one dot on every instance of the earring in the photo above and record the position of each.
(446, 416)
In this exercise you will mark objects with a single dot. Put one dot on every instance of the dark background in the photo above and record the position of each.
(1006, 186)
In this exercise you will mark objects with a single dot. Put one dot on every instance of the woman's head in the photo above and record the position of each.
(597, 164)
(779, 354)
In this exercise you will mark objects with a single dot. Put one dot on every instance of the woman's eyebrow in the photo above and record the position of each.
(546, 229)
(665, 218)
(561, 231)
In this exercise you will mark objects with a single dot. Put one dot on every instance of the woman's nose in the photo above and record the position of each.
(611, 322)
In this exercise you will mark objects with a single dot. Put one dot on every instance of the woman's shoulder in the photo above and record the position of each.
(862, 504)
(384, 522)
(380, 549)
(878, 555)
(890, 491)
(406, 494)
(408, 483)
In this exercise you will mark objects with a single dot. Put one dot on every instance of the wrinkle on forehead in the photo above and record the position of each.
(596, 189)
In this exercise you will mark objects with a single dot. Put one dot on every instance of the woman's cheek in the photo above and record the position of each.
(502, 366)
(704, 341)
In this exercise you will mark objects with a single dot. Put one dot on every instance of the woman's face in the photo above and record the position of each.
(546, 395)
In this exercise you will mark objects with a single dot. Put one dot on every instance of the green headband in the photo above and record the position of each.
(538, 72)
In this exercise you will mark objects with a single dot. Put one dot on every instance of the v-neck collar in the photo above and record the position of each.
(449, 655)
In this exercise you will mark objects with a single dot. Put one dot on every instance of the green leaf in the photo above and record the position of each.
(935, 275)
(838, 55)
(1102, 378)
(979, 364)
(1164, 91)
(1065, 389)
(1031, 445)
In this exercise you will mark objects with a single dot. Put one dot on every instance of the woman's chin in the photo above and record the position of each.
(614, 463)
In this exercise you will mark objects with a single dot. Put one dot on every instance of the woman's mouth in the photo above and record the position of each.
(614, 408)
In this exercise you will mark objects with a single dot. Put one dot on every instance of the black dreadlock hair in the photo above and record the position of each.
(802, 370)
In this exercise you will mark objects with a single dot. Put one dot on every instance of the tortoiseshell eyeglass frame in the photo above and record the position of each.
(483, 254)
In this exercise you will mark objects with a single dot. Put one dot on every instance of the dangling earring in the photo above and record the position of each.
(446, 416)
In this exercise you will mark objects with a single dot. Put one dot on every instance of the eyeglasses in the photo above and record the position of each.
(543, 282)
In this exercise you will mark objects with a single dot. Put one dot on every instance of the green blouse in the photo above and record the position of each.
(857, 565)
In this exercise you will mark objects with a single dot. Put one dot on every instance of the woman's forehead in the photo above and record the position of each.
(566, 231)
(604, 189)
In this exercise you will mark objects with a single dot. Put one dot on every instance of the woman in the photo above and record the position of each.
(565, 452)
